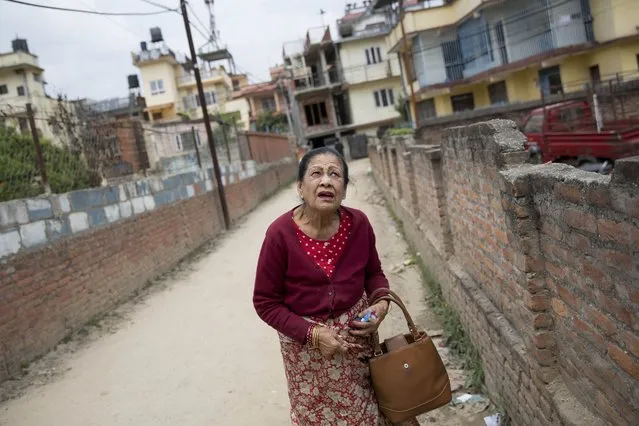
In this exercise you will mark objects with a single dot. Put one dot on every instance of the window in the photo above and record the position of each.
(498, 93)
(157, 87)
(426, 109)
(186, 141)
(157, 116)
(210, 98)
(550, 81)
(465, 102)
(268, 104)
(37, 78)
(595, 75)
(21, 91)
(373, 55)
(638, 61)
(316, 114)
(3, 89)
(534, 124)
(384, 98)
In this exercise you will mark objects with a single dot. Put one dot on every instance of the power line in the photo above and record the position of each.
(196, 17)
(89, 12)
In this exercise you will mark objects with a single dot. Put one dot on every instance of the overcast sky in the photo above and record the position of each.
(87, 56)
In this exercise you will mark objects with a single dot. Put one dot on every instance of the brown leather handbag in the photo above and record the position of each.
(409, 376)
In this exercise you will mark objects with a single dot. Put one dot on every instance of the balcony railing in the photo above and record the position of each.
(480, 45)
(318, 80)
(18, 59)
(156, 53)
(372, 72)
(204, 74)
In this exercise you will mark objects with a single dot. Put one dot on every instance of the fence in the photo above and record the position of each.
(617, 97)
(84, 147)
(81, 148)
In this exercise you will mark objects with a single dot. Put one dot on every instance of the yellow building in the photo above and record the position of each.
(372, 75)
(22, 82)
(170, 89)
(473, 54)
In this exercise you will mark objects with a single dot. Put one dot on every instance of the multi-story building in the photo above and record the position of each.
(372, 75)
(471, 54)
(169, 86)
(22, 82)
(265, 98)
(319, 99)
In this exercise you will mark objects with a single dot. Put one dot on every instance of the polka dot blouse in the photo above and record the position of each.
(327, 253)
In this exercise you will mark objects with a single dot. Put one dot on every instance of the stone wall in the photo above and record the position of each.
(65, 259)
(540, 262)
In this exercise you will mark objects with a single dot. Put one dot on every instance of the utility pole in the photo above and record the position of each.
(197, 148)
(38, 148)
(413, 102)
(207, 121)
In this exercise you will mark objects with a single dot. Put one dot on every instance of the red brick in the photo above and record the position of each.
(537, 302)
(598, 276)
(616, 309)
(610, 230)
(543, 321)
(580, 220)
(600, 320)
(568, 296)
(631, 342)
(589, 333)
(617, 259)
(559, 307)
(627, 363)
(568, 192)
(544, 339)
(552, 231)
(545, 357)
(556, 271)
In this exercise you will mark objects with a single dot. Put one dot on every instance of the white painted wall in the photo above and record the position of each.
(355, 67)
(164, 71)
(363, 106)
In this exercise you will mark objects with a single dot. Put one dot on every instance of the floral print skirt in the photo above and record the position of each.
(336, 391)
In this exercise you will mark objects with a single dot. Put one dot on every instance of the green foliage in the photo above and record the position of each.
(271, 123)
(19, 174)
(404, 131)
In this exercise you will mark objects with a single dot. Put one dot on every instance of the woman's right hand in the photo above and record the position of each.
(331, 343)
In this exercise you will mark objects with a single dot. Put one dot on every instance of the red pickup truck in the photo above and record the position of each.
(569, 132)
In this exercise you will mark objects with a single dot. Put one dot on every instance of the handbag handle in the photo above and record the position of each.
(391, 296)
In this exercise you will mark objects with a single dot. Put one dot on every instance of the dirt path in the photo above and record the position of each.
(194, 352)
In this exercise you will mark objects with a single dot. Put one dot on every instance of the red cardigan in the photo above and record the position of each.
(289, 285)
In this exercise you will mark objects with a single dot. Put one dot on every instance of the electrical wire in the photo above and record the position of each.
(89, 12)
(196, 17)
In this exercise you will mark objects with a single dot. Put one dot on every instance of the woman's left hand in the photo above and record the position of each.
(363, 329)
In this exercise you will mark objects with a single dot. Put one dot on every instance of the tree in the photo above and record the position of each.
(20, 177)
(271, 123)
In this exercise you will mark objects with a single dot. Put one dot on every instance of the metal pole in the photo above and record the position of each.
(207, 121)
(39, 157)
(413, 108)
(226, 139)
(197, 148)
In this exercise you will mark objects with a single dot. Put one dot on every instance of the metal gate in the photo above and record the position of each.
(358, 145)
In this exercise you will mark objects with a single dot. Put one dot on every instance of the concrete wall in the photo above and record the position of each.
(540, 262)
(68, 258)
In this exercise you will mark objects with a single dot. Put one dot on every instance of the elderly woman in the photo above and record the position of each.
(317, 266)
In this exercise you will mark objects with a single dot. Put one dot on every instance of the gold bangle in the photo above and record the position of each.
(316, 334)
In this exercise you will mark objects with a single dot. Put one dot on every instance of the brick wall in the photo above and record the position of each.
(267, 148)
(67, 258)
(540, 262)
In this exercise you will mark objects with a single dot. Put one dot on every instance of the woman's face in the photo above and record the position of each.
(323, 186)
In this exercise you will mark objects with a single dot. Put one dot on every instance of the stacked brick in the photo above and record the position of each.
(540, 262)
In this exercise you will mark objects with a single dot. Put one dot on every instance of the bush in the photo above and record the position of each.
(405, 131)
(19, 174)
